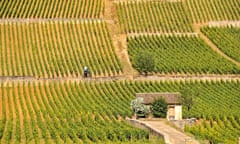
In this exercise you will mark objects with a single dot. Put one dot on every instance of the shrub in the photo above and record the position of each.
(139, 108)
(159, 108)
(144, 62)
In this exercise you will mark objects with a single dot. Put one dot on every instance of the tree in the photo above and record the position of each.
(159, 108)
(144, 62)
(189, 95)
(139, 108)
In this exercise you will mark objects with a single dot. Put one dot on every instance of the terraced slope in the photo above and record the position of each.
(51, 9)
(77, 112)
(147, 16)
(58, 38)
(226, 39)
(53, 49)
(218, 129)
(185, 54)
(64, 113)
(213, 10)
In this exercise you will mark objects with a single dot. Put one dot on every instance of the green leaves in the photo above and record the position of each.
(55, 49)
(213, 10)
(217, 130)
(175, 54)
(189, 96)
(153, 17)
(226, 39)
(144, 62)
(159, 108)
(52, 9)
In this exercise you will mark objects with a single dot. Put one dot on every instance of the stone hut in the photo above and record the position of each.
(173, 100)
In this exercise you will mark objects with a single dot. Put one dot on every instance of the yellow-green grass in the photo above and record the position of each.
(57, 49)
(86, 112)
(51, 8)
(213, 10)
(181, 54)
(148, 16)
(226, 39)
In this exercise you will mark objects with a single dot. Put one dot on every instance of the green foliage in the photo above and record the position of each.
(144, 62)
(189, 96)
(78, 112)
(159, 108)
(226, 39)
(157, 16)
(185, 54)
(51, 9)
(224, 129)
(213, 10)
(2, 124)
(54, 49)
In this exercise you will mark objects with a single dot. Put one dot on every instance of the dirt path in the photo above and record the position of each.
(121, 1)
(224, 23)
(119, 40)
(161, 34)
(6, 80)
(197, 26)
(212, 45)
(170, 134)
(40, 20)
(175, 137)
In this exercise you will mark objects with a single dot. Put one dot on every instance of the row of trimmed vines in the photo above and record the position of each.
(151, 16)
(226, 39)
(57, 49)
(64, 113)
(217, 129)
(77, 112)
(51, 8)
(185, 54)
(213, 10)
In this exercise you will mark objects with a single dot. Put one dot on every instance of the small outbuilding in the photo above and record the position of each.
(173, 100)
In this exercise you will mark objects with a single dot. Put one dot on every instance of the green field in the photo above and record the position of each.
(51, 9)
(185, 54)
(86, 112)
(218, 129)
(57, 49)
(153, 17)
(45, 44)
(226, 39)
(213, 10)
(63, 113)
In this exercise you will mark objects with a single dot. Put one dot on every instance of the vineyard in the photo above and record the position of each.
(63, 113)
(186, 54)
(86, 112)
(51, 9)
(52, 41)
(153, 17)
(213, 10)
(226, 39)
(218, 129)
(56, 49)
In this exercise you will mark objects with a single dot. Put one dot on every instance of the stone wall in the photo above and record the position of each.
(155, 132)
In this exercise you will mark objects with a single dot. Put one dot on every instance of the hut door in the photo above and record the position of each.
(171, 110)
